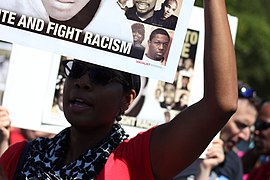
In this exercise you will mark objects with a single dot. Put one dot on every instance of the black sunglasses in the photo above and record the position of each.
(97, 74)
(261, 125)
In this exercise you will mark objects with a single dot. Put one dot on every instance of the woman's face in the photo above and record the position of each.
(89, 105)
(63, 10)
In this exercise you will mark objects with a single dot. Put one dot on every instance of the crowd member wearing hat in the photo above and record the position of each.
(96, 147)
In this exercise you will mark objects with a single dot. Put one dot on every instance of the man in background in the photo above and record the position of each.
(256, 160)
(237, 129)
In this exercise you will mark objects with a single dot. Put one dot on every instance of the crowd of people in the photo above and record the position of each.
(95, 146)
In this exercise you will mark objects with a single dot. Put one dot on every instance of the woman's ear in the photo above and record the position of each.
(128, 99)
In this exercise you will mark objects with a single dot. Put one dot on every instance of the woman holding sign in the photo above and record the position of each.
(96, 147)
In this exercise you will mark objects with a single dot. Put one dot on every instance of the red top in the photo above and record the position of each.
(260, 173)
(16, 135)
(10, 158)
(130, 160)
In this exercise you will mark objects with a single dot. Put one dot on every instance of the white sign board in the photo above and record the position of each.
(104, 37)
(34, 79)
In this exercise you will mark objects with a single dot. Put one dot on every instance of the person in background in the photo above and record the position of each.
(256, 160)
(236, 129)
(165, 16)
(214, 156)
(4, 129)
(11, 135)
(96, 147)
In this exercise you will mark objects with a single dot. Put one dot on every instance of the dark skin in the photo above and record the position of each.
(213, 110)
(91, 109)
(4, 129)
(261, 140)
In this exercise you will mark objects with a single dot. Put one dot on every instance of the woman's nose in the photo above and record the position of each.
(84, 82)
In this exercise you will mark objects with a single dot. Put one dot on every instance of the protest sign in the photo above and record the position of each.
(103, 37)
(35, 81)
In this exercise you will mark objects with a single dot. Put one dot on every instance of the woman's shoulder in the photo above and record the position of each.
(125, 162)
(10, 158)
(14, 149)
(140, 141)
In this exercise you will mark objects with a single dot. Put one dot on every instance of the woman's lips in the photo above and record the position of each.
(78, 104)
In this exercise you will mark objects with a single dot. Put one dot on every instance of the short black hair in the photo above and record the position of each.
(166, 2)
(159, 31)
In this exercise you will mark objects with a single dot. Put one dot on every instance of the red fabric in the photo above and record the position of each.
(16, 136)
(130, 160)
(10, 158)
(260, 173)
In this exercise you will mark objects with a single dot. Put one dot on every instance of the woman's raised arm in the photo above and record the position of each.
(176, 144)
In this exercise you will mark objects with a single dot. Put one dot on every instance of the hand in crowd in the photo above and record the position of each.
(4, 124)
(4, 129)
(214, 156)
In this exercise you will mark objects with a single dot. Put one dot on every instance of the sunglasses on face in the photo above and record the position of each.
(97, 74)
(261, 125)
